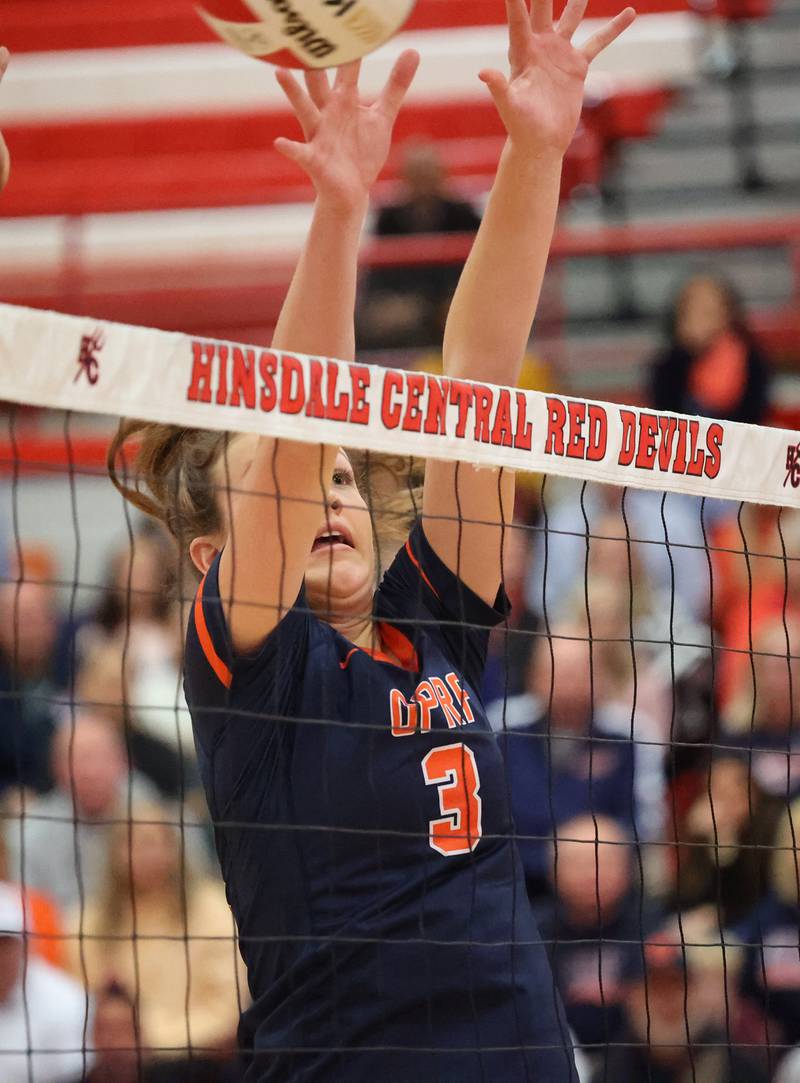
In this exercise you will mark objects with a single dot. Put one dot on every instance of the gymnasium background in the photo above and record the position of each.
(145, 190)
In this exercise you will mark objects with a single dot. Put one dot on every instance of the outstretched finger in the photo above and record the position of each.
(318, 87)
(498, 87)
(571, 18)
(300, 153)
(519, 29)
(541, 15)
(305, 110)
(5, 56)
(347, 76)
(399, 82)
(610, 32)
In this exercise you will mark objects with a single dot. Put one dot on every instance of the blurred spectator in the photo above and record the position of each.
(560, 761)
(763, 717)
(41, 1009)
(771, 976)
(59, 845)
(29, 625)
(43, 920)
(723, 839)
(164, 934)
(129, 661)
(756, 559)
(158, 747)
(711, 365)
(668, 559)
(406, 306)
(591, 924)
(680, 996)
(115, 1039)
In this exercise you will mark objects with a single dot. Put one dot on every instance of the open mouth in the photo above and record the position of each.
(331, 540)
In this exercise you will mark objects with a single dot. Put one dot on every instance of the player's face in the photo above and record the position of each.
(340, 575)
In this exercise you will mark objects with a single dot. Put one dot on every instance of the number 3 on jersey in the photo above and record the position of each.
(452, 768)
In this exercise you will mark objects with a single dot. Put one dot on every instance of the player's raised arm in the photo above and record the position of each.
(5, 159)
(493, 310)
(276, 488)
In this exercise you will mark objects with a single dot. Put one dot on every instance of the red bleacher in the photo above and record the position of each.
(121, 164)
(228, 160)
(98, 24)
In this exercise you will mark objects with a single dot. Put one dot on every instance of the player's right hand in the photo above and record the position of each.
(5, 160)
(347, 140)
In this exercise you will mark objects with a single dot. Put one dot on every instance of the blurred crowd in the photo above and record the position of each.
(644, 691)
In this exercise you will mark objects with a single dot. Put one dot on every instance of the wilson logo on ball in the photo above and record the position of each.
(306, 33)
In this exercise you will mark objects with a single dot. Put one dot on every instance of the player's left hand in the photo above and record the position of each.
(541, 102)
(5, 159)
(347, 139)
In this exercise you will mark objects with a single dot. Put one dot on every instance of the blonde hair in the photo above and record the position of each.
(117, 898)
(169, 476)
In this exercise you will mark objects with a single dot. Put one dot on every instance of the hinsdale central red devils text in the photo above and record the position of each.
(415, 402)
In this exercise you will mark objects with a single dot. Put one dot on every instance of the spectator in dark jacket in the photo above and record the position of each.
(711, 364)
(29, 624)
(406, 306)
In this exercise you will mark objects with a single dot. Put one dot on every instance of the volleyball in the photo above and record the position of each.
(306, 33)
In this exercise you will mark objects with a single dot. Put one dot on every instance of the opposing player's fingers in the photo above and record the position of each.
(347, 75)
(305, 110)
(610, 32)
(571, 18)
(5, 56)
(399, 82)
(318, 87)
(300, 153)
(541, 15)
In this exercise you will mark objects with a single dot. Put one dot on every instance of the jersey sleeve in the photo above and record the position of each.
(420, 589)
(223, 688)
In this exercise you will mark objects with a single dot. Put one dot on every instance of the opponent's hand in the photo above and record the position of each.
(5, 160)
(541, 102)
(347, 140)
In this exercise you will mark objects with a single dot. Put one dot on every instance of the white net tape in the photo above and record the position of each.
(75, 363)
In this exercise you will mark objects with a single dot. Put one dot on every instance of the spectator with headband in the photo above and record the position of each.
(43, 1013)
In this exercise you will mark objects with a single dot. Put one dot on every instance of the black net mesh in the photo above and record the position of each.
(634, 708)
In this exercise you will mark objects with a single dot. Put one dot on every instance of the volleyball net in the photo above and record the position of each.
(643, 690)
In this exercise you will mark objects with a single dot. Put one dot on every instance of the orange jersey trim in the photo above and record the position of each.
(419, 568)
(399, 644)
(222, 671)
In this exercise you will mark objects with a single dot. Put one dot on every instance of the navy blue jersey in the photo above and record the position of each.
(362, 824)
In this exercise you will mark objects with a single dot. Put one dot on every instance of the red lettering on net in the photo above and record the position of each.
(454, 771)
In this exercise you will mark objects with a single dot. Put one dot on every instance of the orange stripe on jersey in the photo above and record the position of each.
(213, 659)
(420, 569)
(401, 647)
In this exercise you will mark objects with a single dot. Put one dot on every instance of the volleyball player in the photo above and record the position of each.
(5, 159)
(359, 798)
